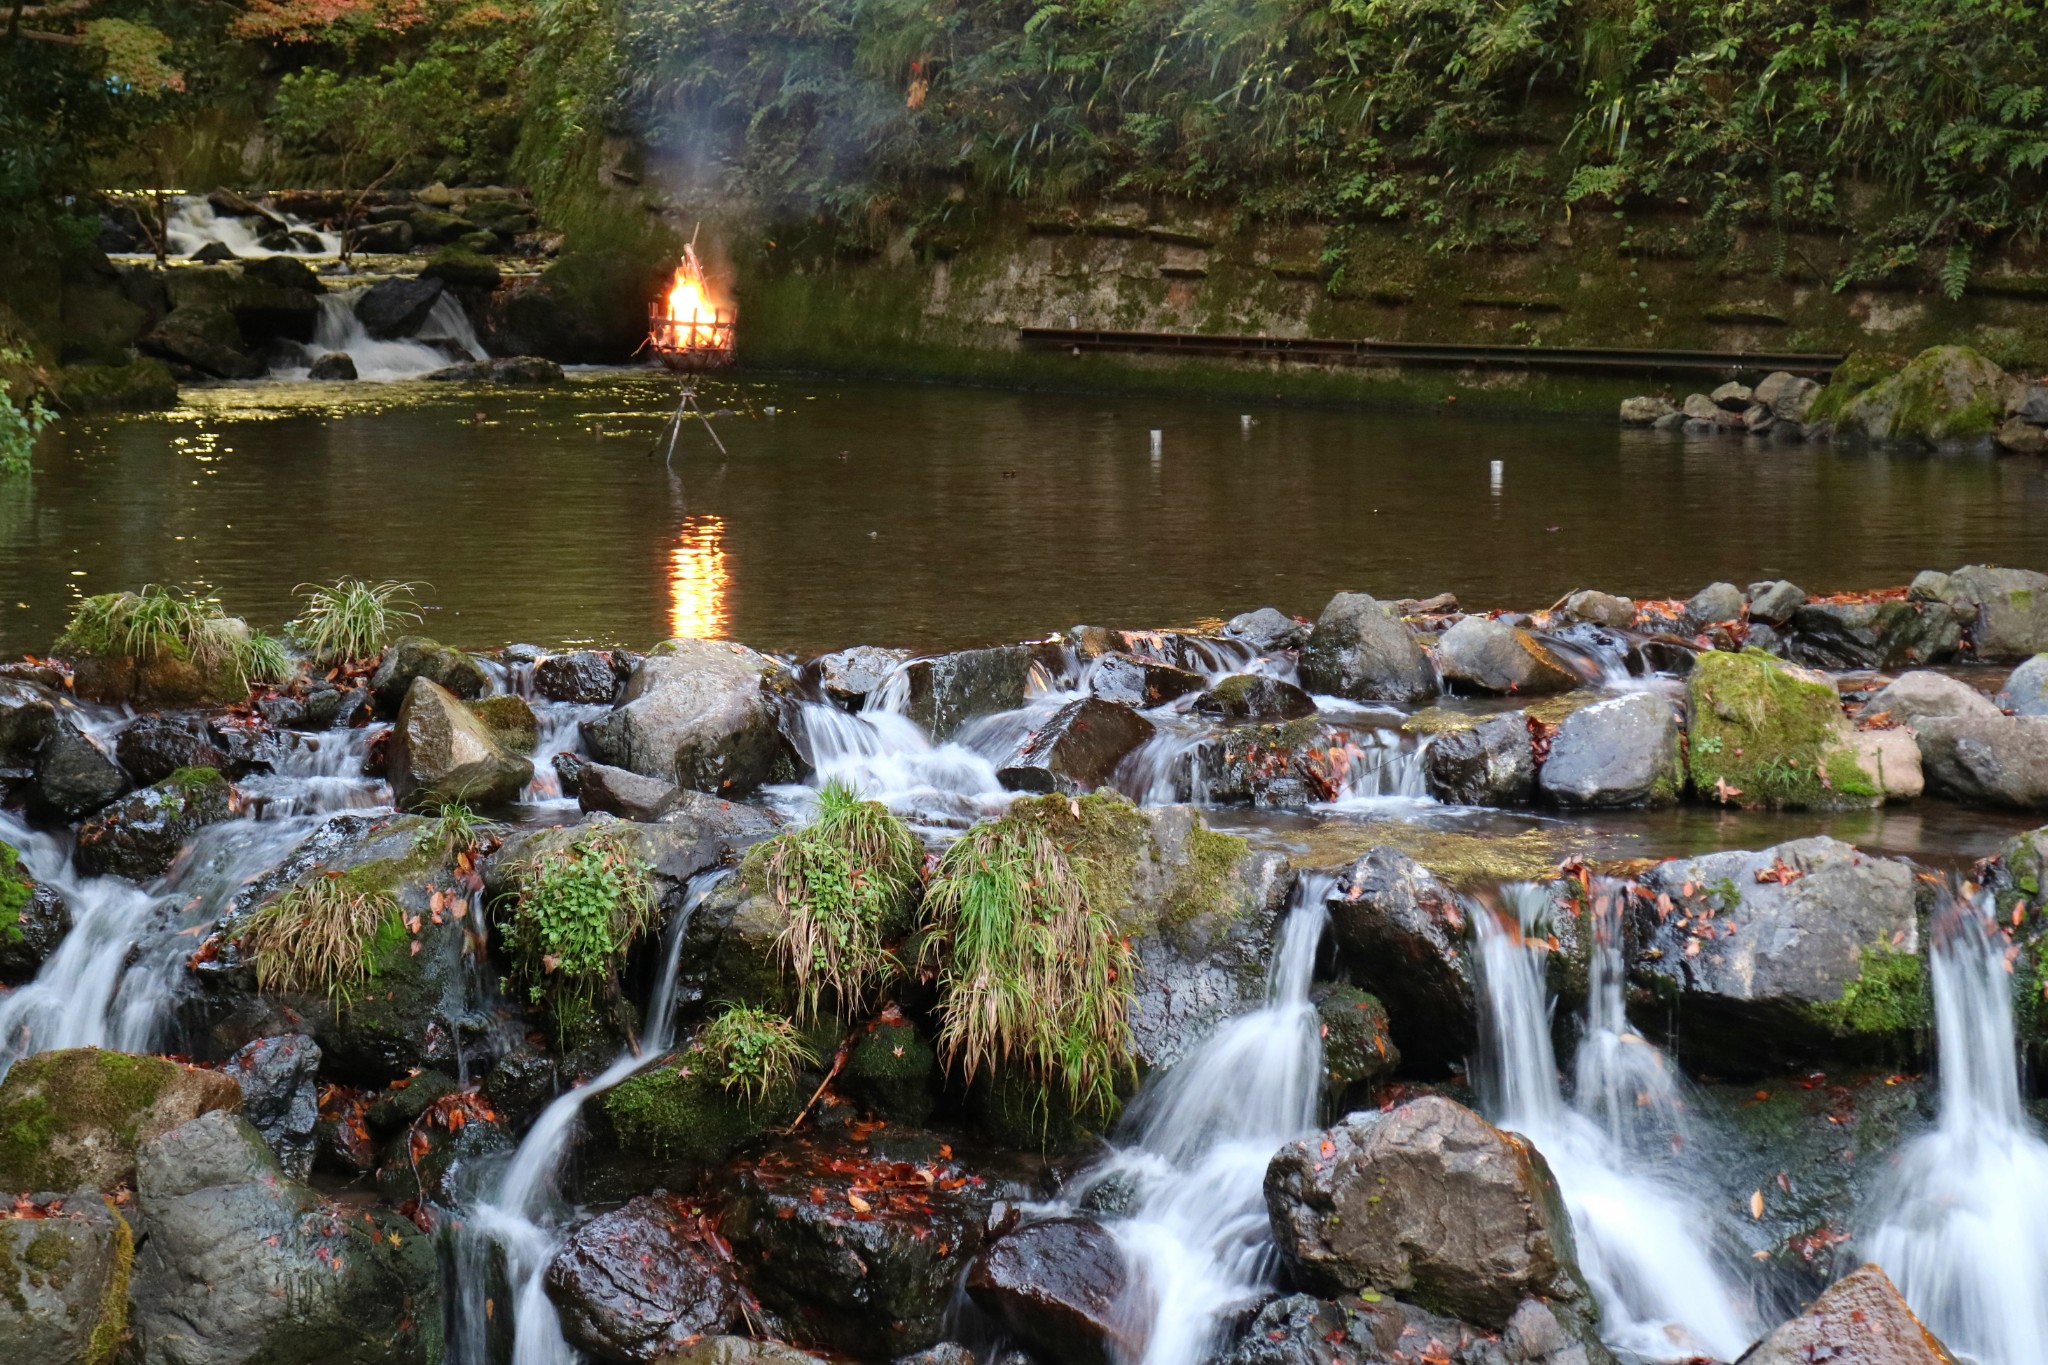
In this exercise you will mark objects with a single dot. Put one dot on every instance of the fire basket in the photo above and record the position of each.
(685, 330)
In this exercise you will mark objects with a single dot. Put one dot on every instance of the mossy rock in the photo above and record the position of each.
(510, 720)
(73, 1119)
(1358, 1047)
(679, 1112)
(1945, 394)
(1858, 372)
(1026, 1114)
(140, 836)
(34, 918)
(1157, 871)
(141, 385)
(1765, 733)
(891, 1071)
(1889, 999)
(65, 1262)
(463, 267)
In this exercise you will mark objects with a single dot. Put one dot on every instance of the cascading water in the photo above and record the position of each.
(195, 223)
(443, 338)
(1963, 1234)
(1200, 1138)
(520, 1220)
(1643, 1243)
(884, 756)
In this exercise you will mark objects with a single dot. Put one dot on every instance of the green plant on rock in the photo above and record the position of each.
(20, 424)
(321, 936)
(1031, 970)
(757, 1050)
(351, 619)
(846, 881)
(451, 830)
(1888, 997)
(174, 623)
(576, 912)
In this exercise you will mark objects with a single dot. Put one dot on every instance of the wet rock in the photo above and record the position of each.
(1861, 1320)
(1256, 699)
(892, 1071)
(279, 1077)
(585, 676)
(441, 753)
(1600, 608)
(1267, 765)
(204, 339)
(1430, 1202)
(601, 787)
(1712, 604)
(2016, 436)
(1774, 602)
(641, 1281)
(1918, 697)
(75, 1117)
(27, 712)
(510, 720)
(460, 269)
(871, 1281)
(64, 1278)
(2026, 687)
(1491, 656)
(1492, 763)
(1402, 935)
(1766, 733)
(224, 1229)
(1699, 407)
(1990, 761)
(1058, 1286)
(1872, 635)
(395, 308)
(1808, 949)
(739, 1351)
(1945, 395)
(1303, 1330)
(945, 1353)
(849, 677)
(942, 694)
(1616, 753)
(334, 366)
(528, 371)
(74, 774)
(696, 713)
(34, 918)
(2010, 607)
(1644, 411)
(140, 836)
(1268, 629)
(1131, 681)
(1358, 1046)
(1359, 650)
(381, 239)
(1077, 749)
(678, 1115)
(415, 657)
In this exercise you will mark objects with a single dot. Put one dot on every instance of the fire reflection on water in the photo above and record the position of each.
(698, 580)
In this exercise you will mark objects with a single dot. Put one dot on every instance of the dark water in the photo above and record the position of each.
(935, 517)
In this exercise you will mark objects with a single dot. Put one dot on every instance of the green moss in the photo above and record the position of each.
(138, 386)
(1764, 735)
(1888, 998)
(510, 720)
(1023, 1113)
(1103, 836)
(16, 892)
(1203, 886)
(49, 1254)
(110, 1331)
(680, 1110)
(891, 1070)
(51, 1095)
(190, 782)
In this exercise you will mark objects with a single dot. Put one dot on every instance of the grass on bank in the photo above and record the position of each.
(576, 912)
(20, 424)
(352, 618)
(320, 936)
(174, 623)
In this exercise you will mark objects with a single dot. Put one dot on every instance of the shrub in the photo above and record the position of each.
(174, 623)
(758, 1050)
(578, 910)
(319, 936)
(19, 425)
(351, 619)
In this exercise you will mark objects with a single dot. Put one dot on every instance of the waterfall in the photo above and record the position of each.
(884, 755)
(339, 329)
(1198, 1140)
(1964, 1233)
(520, 1221)
(1644, 1243)
(195, 224)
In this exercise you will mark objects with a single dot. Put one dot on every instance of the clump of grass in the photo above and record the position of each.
(760, 1051)
(577, 911)
(845, 881)
(451, 830)
(319, 936)
(352, 618)
(1031, 972)
(174, 623)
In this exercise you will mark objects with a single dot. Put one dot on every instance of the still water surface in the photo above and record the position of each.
(938, 517)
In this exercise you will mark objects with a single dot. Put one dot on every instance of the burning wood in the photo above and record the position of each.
(684, 327)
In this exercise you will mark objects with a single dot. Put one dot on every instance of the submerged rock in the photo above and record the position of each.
(697, 713)
(1402, 934)
(141, 836)
(1360, 650)
(1860, 1320)
(279, 1077)
(1371, 1329)
(64, 1262)
(1059, 1286)
(441, 753)
(1077, 749)
(1492, 656)
(1492, 763)
(1616, 753)
(529, 371)
(641, 1281)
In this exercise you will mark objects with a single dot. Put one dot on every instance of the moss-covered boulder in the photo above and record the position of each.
(1358, 1047)
(140, 836)
(510, 720)
(73, 1119)
(892, 1072)
(64, 1266)
(1766, 733)
(443, 753)
(34, 917)
(139, 385)
(462, 269)
(417, 657)
(679, 1111)
(1944, 395)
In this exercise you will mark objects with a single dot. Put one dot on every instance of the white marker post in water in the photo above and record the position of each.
(1498, 467)
(1156, 444)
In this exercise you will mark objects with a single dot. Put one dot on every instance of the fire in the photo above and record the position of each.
(687, 328)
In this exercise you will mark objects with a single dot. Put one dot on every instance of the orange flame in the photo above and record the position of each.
(692, 319)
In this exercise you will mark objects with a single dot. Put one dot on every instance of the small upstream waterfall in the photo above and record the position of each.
(1645, 1246)
(444, 338)
(520, 1220)
(1964, 1234)
(1200, 1138)
(195, 223)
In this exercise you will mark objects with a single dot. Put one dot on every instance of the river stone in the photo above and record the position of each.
(1360, 650)
(1076, 749)
(239, 1263)
(34, 918)
(1492, 763)
(945, 1353)
(1058, 1286)
(1713, 604)
(1402, 935)
(739, 1351)
(2018, 437)
(1644, 411)
(1268, 629)
(696, 713)
(1600, 608)
(1303, 1330)
(1768, 734)
(641, 1281)
(628, 795)
(848, 677)
(1427, 1201)
(156, 746)
(2001, 761)
(1945, 395)
(64, 1261)
(202, 338)
(1255, 698)
(2026, 687)
(1784, 955)
(72, 1119)
(1491, 656)
(140, 836)
(2010, 608)
(944, 693)
(1142, 683)
(1615, 753)
(396, 307)
(1871, 635)
(416, 657)
(585, 676)
(279, 1077)
(1860, 1320)
(1700, 408)
(1358, 1046)
(74, 774)
(26, 715)
(441, 753)
(1915, 698)
(1774, 602)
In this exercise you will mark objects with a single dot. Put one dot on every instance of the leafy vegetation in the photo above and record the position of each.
(846, 882)
(453, 829)
(320, 935)
(759, 1051)
(351, 619)
(175, 623)
(577, 911)
(20, 423)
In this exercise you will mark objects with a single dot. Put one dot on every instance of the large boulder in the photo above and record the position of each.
(1615, 753)
(848, 677)
(1492, 763)
(2026, 688)
(1808, 949)
(140, 836)
(944, 693)
(641, 1281)
(1371, 1328)
(64, 1263)
(1482, 655)
(1860, 1320)
(1767, 733)
(1076, 749)
(441, 753)
(697, 713)
(1058, 1286)
(34, 918)
(628, 795)
(1969, 749)
(280, 1081)
(205, 339)
(2008, 610)
(397, 307)
(156, 746)
(1361, 650)
(74, 773)
(1945, 395)
(416, 657)
(1428, 1202)
(239, 1263)
(73, 1119)
(1872, 635)
(585, 676)
(1402, 934)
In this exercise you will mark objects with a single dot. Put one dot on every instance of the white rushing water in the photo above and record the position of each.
(1964, 1232)
(445, 338)
(195, 223)
(1645, 1245)
(1196, 1145)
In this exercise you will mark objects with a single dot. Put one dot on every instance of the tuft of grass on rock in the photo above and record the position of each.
(757, 1051)
(352, 618)
(174, 623)
(319, 936)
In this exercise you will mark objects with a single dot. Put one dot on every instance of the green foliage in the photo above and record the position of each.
(319, 936)
(16, 890)
(1031, 971)
(1766, 735)
(1889, 996)
(19, 425)
(174, 623)
(759, 1051)
(351, 618)
(577, 911)
(846, 881)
